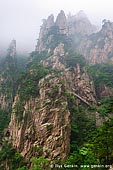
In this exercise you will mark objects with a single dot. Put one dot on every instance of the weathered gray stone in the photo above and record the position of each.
(61, 22)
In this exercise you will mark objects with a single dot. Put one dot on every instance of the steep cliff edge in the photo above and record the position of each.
(44, 123)
(40, 125)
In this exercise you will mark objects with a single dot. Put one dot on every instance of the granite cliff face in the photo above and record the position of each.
(45, 121)
(45, 125)
(77, 81)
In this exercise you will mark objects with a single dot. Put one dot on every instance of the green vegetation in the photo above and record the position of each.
(9, 74)
(72, 59)
(21, 63)
(90, 146)
(40, 164)
(106, 106)
(96, 151)
(56, 39)
(28, 81)
(82, 125)
(11, 158)
(102, 74)
(29, 88)
(36, 57)
(37, 164)
(4, 120)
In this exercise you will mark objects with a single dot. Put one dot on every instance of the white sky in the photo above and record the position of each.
(21, 19)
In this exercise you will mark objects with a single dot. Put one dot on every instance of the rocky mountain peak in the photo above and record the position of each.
(71, 25)
(81, 14)
(60, 16)
(50, 21)
(97, 48)
(61, 22)
(107, 28)
(12, 48)
(80, 23)
(45, 28)
(49, 27)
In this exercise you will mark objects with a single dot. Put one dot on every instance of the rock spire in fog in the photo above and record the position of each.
(63, 25)
(61, 22)
(12, 48)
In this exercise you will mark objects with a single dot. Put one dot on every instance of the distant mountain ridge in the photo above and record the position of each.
(94, 45)
(69, 26)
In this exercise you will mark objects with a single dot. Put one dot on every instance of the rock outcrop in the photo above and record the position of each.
(45, 126)
(78, 80)
(54, 61)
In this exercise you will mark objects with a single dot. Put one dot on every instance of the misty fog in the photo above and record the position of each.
(21, 19)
